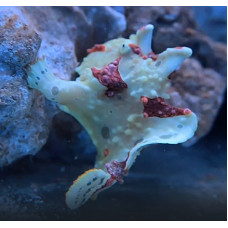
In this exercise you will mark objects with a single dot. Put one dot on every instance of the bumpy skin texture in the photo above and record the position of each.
(117, 124)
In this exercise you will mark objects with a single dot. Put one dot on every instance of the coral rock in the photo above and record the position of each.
(55, 33)
(24, 118)
(200, 89)
(19, 43)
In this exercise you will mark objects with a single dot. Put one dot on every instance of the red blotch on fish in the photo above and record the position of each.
(157, 107)
(96, 47)
(137, 50)
(142, 28)
(110, 77)
(153, 56)
(106, 152)
(116, 170)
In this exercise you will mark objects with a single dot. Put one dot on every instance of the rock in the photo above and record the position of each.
(73, 142)
(105, 23)
(25, 115)
(25, 119)
(19, 43)
(58, 34)
(215, 25)
(203, 92)
(210, 53)
(57, 45)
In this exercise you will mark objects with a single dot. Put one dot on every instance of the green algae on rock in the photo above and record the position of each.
(119, 98)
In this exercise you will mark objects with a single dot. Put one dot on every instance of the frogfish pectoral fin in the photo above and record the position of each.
(85, 186)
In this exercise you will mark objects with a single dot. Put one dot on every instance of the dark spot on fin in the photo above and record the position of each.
(101, 181)
(88, 190)
(95, 178)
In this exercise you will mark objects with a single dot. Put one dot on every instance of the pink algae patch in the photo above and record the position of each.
(110, 77)
(178, 47)
(96, 47)
(157, 107)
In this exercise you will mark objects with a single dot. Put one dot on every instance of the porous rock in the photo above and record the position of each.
(19, 43)
(201, 90)
(24, 119)
(58, 34)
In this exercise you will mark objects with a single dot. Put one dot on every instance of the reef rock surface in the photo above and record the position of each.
(56, 33)
(201, 89)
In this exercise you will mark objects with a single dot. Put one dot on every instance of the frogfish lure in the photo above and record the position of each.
(120, 99)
